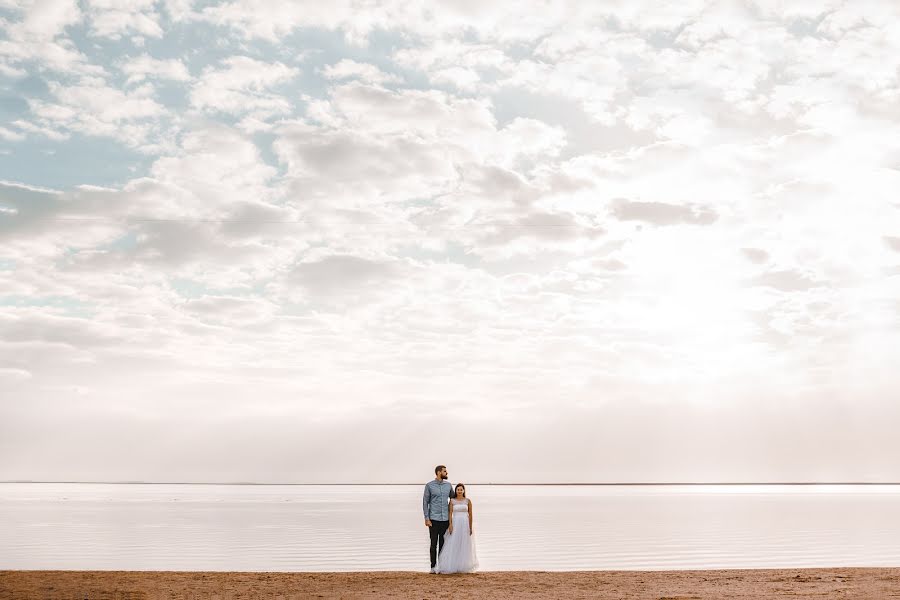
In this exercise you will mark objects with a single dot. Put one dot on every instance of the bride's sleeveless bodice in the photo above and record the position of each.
(460, 507)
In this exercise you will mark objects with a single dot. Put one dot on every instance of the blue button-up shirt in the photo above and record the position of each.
(436, 500)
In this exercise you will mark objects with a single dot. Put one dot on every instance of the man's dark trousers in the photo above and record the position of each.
(436, 532)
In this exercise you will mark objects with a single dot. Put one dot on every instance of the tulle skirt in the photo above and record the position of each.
(458, 554)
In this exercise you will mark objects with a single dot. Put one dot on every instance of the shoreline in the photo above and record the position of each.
(561, 484)
(850, 582)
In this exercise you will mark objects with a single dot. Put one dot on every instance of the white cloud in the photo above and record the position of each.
(454, 62)
(141, 67)
(44, 131)
(351, 69)
(661, 213)
(113, 18)
(462, 78)
(230, 310)
(340, 169)
(242, 84)
(10, 135)
(38, 35)
(95, 108)
(219, 166)
(14, 375)
(46, 19)
(178, 10)
(461, 128)
(12, 72)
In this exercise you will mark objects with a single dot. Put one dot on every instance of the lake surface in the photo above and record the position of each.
(361, 528)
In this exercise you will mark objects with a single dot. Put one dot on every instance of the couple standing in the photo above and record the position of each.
(448, 516)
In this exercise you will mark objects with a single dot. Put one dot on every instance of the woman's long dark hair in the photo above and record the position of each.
(459, 485)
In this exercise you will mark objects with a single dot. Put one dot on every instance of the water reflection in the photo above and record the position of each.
(335, 528)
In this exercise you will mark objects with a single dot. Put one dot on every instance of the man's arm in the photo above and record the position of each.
(450, 517)
(426, 500)
(450, 501)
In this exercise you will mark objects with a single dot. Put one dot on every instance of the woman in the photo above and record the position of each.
(458, 554)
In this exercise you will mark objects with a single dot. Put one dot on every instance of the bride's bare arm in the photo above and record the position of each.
(470, 517)
(450, 512)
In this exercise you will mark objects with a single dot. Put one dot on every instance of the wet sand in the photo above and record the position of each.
(875, 583)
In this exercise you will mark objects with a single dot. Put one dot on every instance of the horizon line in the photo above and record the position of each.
(565, 483)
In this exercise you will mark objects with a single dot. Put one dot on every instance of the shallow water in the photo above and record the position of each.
(361, 528)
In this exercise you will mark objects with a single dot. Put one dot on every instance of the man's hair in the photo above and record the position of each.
(438, 468)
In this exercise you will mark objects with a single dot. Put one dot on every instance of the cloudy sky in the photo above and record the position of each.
(344, 241)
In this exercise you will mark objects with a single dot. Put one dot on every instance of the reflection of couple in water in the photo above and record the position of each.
(448, 516)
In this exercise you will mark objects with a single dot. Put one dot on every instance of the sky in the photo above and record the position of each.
(343, 242)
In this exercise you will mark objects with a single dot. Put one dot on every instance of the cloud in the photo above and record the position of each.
(211, 202)
(11, 72)
(47, 132)
(787, 281)
(452, 52)
(27, 221)
(46, 20)
(428, 113)
(612, 264)
(349, 169)
(661, 213)
(95, 108)
(10, 135)
(113, 19)
(351, 69)
(532, 234)
(242, 84)
(218, 165)
(230, 310)
(14, 375)
(463, 79)
(34, 326)
(368, 142)
(755, 255)
(33, 37)
(141, 67)
(339, 276)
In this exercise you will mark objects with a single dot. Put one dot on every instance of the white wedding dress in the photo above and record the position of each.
(458, 554)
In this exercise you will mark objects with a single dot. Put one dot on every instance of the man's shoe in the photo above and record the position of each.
(433, 570)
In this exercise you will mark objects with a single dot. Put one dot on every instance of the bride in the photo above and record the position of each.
(458, 554)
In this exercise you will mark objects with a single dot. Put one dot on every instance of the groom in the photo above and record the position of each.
(436, 503)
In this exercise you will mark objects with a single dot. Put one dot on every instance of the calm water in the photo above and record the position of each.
(354, 528)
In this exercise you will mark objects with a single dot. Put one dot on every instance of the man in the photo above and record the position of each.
(436, 504)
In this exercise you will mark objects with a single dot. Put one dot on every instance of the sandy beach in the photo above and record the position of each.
(659, 585)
